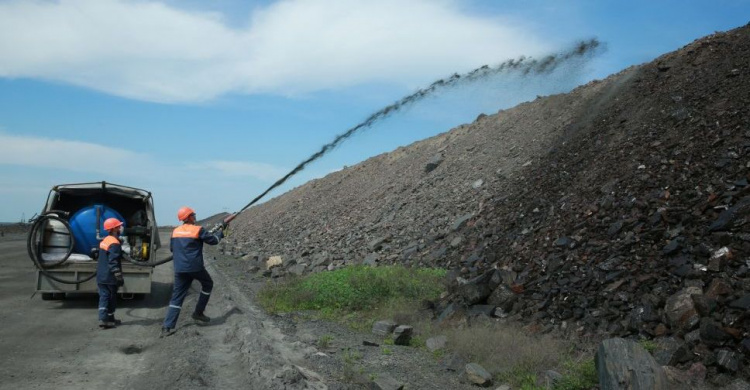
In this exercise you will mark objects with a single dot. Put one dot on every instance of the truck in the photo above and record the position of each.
(63, 241)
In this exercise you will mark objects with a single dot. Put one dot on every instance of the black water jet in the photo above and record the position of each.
(523, 65)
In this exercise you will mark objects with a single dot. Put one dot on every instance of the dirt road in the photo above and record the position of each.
(58, 345)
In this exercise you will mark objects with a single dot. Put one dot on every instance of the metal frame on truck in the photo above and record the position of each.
(51, 241)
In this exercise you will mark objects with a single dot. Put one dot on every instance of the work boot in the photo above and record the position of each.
(114, 321)
(201, 317)
(166, 332)
(106, 324)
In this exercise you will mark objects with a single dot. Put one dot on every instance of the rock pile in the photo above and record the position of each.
(619, 209)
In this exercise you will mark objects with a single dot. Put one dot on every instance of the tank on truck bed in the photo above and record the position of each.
(64, 239)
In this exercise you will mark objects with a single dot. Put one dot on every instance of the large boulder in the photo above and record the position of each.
(680, 309)
(503, 297)
(476, 290)
(478, 375)
(622, 364)
(402, 335)
(671, 351)
(384, 328)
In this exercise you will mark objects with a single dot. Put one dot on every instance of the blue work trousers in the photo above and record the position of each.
(107, 301)
(182, 282)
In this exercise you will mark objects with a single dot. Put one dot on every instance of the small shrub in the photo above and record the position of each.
(325, 341)
(417, 342)
(351, 370)
(387, 351)
(648, 345)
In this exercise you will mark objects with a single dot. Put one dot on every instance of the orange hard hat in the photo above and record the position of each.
(112, 223)
(184, 213)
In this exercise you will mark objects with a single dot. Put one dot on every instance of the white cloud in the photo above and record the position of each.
(150, 51)
(67, 155)
(60, 154)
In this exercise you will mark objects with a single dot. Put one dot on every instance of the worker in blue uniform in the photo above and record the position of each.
(109, 273)
(187, 250)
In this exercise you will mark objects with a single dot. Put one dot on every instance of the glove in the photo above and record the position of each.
(120, 279)
(219, 234)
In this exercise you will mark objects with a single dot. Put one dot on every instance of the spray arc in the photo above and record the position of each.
(523, 66)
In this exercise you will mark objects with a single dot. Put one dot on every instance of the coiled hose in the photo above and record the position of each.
(33, 243)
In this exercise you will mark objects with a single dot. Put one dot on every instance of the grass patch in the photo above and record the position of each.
(578, 375)
(507, 352)
(417, 342)
(353, 293)
(352, 371)
(325, 341)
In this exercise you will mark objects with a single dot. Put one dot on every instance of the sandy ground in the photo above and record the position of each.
(58, 345)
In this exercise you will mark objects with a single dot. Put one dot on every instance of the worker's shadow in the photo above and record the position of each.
(189, 321)
(157, 299)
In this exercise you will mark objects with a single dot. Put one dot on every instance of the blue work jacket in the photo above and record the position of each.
(187, 247)
(110, 260)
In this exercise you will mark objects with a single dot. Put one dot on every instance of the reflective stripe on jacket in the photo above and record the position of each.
(110, 260)
(187, 247)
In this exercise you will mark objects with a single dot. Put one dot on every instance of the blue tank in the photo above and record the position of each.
(83, 225)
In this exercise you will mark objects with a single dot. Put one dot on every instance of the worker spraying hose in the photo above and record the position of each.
(186, 245)
(524, 66)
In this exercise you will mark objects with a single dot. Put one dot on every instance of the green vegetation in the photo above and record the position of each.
(325, 341)
(350, 293)
(351, 369)
(359, 295)
(648, 345)
(578, 375)
(417, 342)
(516, 358)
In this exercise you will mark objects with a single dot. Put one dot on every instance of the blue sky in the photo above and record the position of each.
(207, 103)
